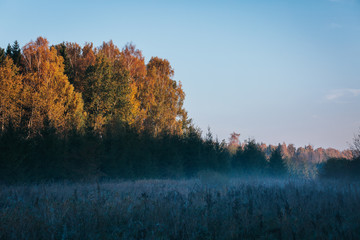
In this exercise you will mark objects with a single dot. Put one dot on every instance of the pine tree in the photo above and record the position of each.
(277, 165)
(9, 50)
(2, 55)
(61, 51)
(250, 159)
(76, 61)
(16, 53)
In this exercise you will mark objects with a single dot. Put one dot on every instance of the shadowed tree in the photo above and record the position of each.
(14, 52)
(76, 61)
(2, 55)
(338, 167)
(8, 50)
(250, 158)
(61, 51)
(277, 165)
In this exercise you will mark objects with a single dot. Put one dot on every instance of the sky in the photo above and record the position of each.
(276, 71)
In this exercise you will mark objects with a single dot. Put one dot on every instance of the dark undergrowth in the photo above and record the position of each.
(204, 208)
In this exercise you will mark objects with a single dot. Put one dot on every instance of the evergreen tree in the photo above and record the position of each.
(61, 51)
(238, 159)
(2, 55)
(9, 50)
(277, 165)
(136, 108)
(250, 159)
(13, 154)
(16, 53)
(192, 151)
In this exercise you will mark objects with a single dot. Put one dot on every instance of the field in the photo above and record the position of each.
(204, 208)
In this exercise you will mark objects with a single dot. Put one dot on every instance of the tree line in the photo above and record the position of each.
(344, 168)
(76, 87)
(72, 112)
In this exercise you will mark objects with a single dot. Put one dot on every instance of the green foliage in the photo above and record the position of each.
(99, 93)
(108, 95)
(14, 52)
(68, 71)
(8, 50)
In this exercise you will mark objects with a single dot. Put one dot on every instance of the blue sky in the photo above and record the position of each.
(276, 71)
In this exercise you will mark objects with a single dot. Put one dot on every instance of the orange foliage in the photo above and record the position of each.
(111, 51)
(116, 85)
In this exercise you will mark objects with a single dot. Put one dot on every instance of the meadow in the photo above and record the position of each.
(208, 207)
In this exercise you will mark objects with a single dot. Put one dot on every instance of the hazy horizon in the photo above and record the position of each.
(275, 71)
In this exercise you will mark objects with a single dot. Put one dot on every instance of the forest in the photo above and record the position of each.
(82, 112)
(96, 144)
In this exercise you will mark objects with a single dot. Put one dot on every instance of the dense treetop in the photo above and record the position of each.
(73, 87)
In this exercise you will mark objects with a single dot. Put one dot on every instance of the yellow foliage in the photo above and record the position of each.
(48, 93)
(10, 94)
(162, 99)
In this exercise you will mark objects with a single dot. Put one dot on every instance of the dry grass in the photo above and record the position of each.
(182, 209)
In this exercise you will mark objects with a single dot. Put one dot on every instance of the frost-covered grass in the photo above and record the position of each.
(205, 208)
